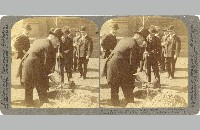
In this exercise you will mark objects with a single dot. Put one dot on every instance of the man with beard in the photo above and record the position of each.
(35, 67)
(22, 43)
(109, 41)
(122, 64)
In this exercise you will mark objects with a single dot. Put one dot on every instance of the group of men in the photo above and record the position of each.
(39, 59)
(146, 50)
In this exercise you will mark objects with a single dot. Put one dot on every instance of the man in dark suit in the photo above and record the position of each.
(35, 67)
(66, 48)
(75, 43)
(84, 51)
(109, 41)
(121, 64)
(172, 50)
(22, 43)
(154, 51)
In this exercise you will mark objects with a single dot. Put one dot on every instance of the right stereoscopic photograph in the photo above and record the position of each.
(144, 63)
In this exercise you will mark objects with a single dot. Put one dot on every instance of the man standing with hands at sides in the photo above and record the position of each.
(84, 51)
(109, 41)
(172, 50)
(22, 43)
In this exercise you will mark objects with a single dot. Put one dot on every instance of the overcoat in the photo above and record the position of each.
(38, 62)
(122, 62)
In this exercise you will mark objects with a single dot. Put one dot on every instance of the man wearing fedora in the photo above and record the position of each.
(109, 41)
(172, 50)
(84, 51)
(35, 67)
(154, 50)
(22, 43)
(121, 64)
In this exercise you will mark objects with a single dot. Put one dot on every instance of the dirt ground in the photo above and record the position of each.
(86, 94)
(173, 93)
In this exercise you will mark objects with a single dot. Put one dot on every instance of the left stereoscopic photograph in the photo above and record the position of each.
(55, 63)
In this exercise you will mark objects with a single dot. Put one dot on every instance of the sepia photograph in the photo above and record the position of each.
(55, 63)
(144, 63)
(99, 65)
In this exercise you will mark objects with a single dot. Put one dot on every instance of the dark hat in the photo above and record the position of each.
(66, 29)
(170, 28)
(143, 32)
(27, 26)
(57, 32)
(115, 26)
(83, 28)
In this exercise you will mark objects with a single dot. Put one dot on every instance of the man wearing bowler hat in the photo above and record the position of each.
(172, 50)
(35, 67)
(22, 43)
(109, 41)
(122, 63)
(84, 51)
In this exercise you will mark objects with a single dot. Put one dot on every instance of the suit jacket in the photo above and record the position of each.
(84, 47)
(172, 46)
(21, 43)
(154, 46)
(108, 42)
(37, 62)
(66, 48)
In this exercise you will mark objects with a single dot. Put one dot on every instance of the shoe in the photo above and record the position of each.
(170, 78)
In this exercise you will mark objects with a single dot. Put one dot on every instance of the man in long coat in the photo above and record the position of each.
(36, 65)
(172, 50)
(122, 64)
